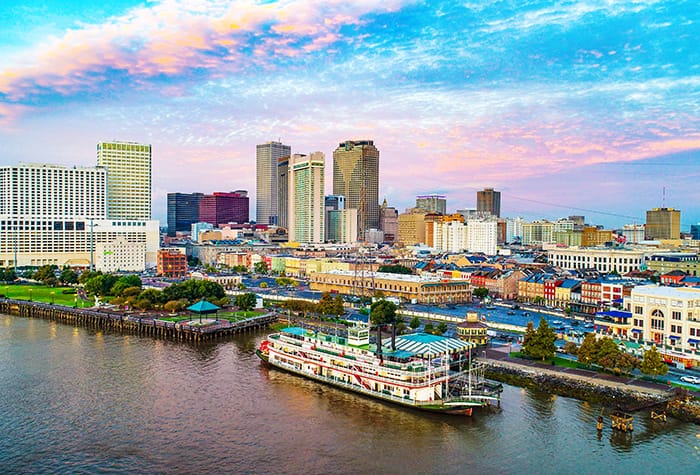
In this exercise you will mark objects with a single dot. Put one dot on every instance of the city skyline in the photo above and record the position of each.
(565, 109)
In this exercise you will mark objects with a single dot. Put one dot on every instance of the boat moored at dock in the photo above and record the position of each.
(424, 371)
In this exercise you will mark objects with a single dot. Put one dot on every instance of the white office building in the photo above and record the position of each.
(57, 215)
(306, 211)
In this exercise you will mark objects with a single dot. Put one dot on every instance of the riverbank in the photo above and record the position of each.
(628, 395)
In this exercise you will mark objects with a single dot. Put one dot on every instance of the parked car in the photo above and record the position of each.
(690, 379)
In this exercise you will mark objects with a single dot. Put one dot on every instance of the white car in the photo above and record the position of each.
(690, 379)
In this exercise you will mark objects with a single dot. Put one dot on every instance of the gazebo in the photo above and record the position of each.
(203, 307)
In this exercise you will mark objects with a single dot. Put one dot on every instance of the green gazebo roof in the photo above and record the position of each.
(203, 307)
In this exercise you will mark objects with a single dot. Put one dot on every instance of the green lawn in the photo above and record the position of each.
(230, 316)
(42, 293)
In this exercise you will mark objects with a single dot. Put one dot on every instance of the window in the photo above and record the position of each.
(675, 315)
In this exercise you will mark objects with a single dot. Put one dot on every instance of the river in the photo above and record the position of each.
(76, 400)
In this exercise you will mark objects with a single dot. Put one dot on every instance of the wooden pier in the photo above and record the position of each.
(145, 325)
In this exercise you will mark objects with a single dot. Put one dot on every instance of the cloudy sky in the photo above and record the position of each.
(568, 107)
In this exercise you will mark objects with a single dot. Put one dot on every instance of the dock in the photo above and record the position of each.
(145, 325)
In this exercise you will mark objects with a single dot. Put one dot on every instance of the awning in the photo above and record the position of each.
(674, 337)
(424, 344)
(695, 341)
(636, 330)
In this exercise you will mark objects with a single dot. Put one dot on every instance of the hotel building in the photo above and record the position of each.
(306, 211)
(128, 167)
(621, 261)
(56, 215)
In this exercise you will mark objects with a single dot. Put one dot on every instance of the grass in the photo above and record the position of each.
(42, 293)
(230, 316)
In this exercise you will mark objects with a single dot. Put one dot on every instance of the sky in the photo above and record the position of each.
(567, 107)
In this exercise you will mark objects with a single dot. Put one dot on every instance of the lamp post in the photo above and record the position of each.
(52, 295)
(75, 302)
(30, 295)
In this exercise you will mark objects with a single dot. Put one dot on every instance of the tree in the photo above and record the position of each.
(260, 267)
(395, 269)
(174, 306)
(338, 308)
(325, 304)
(263, 285)
(383, 312)
(538, 300)
(46, 274)
(653, 364)
(68, 276)
(125, 282)
(415, 323)
(429, 328)
(588, 349)
(246, 302)
(528, 338)
(570, 348)
(8, 275)
(540, 343)
(481, 292)
(441, 328)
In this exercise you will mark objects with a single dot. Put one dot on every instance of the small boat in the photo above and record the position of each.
(510, 312)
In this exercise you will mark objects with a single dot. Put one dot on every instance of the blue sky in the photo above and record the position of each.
(562, 106)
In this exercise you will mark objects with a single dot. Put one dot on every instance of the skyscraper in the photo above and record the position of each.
(389, 222)
(356, 176)
(489, 201)
(128, 167)
(432, 203)
(283, 192)
(224, 208)
(663, 223)
(267, 189)
(306, 203)
(183, 211)
(332, 203)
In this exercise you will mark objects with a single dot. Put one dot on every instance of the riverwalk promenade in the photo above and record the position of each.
(209, 329)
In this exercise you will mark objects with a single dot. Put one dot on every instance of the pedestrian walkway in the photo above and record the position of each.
(501, 356)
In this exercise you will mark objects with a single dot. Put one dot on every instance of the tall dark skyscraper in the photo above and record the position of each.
(356, 176)
(183, 211)
(224, 208)
(489, 201)
(266, 168)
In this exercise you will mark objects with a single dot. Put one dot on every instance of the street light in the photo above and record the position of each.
(52, 294)
(30, 295)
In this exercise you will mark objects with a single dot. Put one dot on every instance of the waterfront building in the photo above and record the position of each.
(172, 262)
(128, 167)
(389, 222)
(473, 330)
(663, 223)
(668, 317)
(223, 208)
(342, 226)
(489, 201)
(183, 211)
(356, 176)
(606, 260)
(428, 289)
(633, 233)
(55, 215)
(663, 263)
(432, 203)
(411, 227)
(267, 166)
(306, 211)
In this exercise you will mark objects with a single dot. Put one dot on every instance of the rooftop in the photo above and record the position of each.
(660, 291)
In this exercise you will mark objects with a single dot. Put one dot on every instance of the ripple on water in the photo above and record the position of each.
(76, 401)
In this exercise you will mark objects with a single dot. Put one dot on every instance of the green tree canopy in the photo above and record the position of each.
(652, 363)
(415, 323)
(68, 276)
(588, 349)
(383, 312)
(260, 267)
(481, 292)
(46, 274)
(246, 302)
(441, 328)
(395, 269)
(540, 343)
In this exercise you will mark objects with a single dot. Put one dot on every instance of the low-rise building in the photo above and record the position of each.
(473, 330)
(621, 261)
(172, 262)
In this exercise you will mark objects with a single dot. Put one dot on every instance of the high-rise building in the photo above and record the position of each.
(55, 215)
(633, 233)
(489, 201)
(389, 222)
(695, 231)
(266, 174)
(356, 176)
(183, 210)
(341, 225)
(306, 211)
(663, 223)
(412, 227)
(223, 208)
(432, 203)
(332, 203)
(128, 167)
(282, 191)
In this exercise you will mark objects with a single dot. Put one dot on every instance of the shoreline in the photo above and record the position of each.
(616, 395)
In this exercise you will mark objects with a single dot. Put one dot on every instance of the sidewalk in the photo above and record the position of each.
(500, 355)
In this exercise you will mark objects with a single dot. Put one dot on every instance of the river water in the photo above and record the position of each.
(74, 400)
